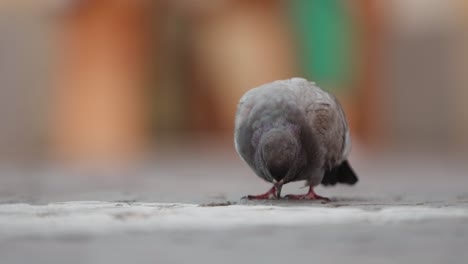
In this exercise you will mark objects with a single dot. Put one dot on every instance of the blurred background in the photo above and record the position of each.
(113, 80)
(134, 101)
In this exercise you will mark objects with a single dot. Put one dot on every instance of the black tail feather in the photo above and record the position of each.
(342, 173)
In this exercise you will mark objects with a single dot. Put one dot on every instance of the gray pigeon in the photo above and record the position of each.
(291, 130)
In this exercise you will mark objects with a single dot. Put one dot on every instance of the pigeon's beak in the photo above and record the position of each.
(278, 187)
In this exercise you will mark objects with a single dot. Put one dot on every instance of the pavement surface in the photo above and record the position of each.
(185, 207)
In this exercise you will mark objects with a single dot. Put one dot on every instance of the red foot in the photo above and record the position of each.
(311, 195)
(271, 194)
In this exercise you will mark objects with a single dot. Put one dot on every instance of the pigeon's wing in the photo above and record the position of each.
(325, 118)
(345, 127)
(327, 121)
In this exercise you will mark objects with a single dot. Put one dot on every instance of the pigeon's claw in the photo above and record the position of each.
(270, 195)
(311, 195)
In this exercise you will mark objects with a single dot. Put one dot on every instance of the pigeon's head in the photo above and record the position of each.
(278, 151)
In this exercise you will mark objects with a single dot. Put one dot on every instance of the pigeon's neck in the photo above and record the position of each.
(279, 150)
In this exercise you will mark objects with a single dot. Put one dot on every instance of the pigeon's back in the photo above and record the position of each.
(317, 113)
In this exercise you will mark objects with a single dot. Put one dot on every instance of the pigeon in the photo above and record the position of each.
(292, 130)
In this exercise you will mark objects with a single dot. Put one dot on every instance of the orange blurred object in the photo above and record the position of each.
(100, 109)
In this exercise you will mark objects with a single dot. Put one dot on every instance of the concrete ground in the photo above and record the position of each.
(185, 207)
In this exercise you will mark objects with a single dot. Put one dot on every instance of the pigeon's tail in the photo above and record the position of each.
(342, 173)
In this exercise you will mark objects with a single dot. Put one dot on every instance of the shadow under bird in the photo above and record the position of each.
(291, 130)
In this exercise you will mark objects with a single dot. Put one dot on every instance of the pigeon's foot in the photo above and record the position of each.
(271, 194)
(311, 195)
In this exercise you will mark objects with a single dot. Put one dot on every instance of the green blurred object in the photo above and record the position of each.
(325, 33)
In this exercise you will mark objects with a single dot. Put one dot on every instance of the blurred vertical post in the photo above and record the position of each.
(461, 55)
(99, 101)
(238, 45)
(370, 100)
(338, 47)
